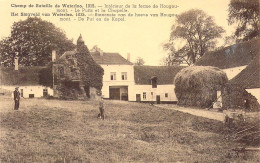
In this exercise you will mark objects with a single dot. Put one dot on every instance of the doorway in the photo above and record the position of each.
(158, 99)
(114, 93)
(138, 97)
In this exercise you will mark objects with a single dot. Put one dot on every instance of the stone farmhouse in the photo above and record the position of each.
(27, 79)
(118, 74)
(124, 81)
(154, 84)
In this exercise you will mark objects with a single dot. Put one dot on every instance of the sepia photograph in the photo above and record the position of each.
(93, 81)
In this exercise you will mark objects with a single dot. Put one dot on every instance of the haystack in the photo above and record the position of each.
(198, 85)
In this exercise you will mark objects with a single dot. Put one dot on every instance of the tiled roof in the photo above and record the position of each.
(24, 77)
(107, 58)
(250, 76)
(231, 56)
(165, 74)
(110, 59)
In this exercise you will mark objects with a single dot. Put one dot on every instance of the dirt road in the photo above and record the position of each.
(210, 114)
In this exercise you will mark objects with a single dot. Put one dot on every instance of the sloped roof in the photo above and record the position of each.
(110, 59)
(232, 56)
(107, 58)
(250, 76)
(24, 77)
(165, 74)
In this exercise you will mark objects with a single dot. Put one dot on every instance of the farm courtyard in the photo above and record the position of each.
(69, 131)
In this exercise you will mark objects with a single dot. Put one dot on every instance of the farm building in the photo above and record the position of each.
(241, 64)
(245, 87)
(154, 84)
(124, 81)
(232, 59)
(249, 78)
(121, 80)
(27, 79)
(118, 74)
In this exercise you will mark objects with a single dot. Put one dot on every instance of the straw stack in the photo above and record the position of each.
(198, 85)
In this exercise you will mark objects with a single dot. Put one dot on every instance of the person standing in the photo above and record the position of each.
(101, 109)
(247, 105)
(16, 98)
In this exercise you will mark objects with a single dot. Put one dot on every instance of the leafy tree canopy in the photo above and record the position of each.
(139, 61)
(198, 31)
(245, 14)
(91, 73)
(33, 39)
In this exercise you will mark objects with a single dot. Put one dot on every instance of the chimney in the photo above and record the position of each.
(53, 53)
(128, 57)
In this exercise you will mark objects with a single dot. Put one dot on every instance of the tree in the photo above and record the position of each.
(33, 39)
(176, 57)
(91, 73)
(227, 41)
(245, 14)
(199, 33)
(139, 61)
(95, 48)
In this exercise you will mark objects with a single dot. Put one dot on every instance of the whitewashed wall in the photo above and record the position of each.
(118, 69)
(160, 90)
(232, 72)
(255, 92)
(36, 90)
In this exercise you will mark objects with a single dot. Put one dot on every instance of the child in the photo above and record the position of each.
(101, 109)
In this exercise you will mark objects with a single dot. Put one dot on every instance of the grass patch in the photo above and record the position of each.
(69, 131)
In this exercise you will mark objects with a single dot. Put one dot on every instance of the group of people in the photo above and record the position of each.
(17, 102)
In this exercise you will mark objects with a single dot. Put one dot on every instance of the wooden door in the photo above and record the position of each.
(114, 93)
(138, 97)
(158, 99)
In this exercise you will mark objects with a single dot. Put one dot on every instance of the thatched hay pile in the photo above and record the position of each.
(198, 85)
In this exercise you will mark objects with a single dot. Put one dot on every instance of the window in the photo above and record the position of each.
(31, 95)
(124, 76)
(144, 95)
(166, 95)
(45, 92)
(113, 76)
(151, 93)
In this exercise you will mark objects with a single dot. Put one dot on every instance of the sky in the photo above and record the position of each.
(141, 37)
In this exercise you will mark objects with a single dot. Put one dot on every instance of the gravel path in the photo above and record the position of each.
(210, 114)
